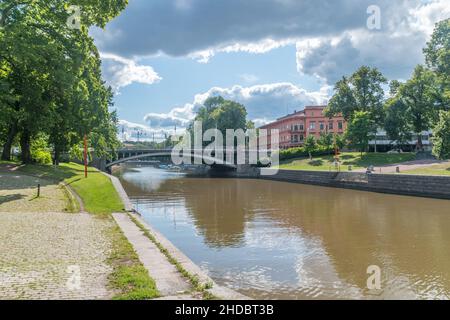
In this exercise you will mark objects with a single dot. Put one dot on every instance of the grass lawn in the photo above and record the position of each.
(97, 192)
(435, 170)
(354, 159)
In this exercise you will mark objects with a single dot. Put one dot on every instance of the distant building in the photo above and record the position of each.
(383, 143)
(295, 128)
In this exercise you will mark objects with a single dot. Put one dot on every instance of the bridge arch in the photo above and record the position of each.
(215, 161)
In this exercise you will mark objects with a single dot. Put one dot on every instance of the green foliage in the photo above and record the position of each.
(310, 144)
(397, 124)
(441, 136)
(326, 140)
(223, 115)
(363, 91)
(437, 55)
(42, 157)
(39, 150)
(300, 152)
(360, 130)
(418, 97)
(50, 79)
(340, 141)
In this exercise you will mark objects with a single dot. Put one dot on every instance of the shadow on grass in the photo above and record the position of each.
(10, 198)
(316, 163)
(55, 173)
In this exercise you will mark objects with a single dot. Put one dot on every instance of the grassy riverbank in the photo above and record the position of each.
(96, 191)
(434, 170)
(129, 279)
(354, 159)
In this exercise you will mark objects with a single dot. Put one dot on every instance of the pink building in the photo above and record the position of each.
(295, 128)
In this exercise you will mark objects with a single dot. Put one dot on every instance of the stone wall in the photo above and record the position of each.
(415, 185)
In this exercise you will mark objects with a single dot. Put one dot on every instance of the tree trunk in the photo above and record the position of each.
(56, 156)
(419, 142)
(12, 132)
(25, 147)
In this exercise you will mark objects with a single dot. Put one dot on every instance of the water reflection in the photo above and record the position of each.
(280, 240)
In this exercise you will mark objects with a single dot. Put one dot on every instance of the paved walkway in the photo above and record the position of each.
(405, 166)
(54, 255)
(46, 253)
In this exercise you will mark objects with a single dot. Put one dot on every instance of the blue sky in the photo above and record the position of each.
(165, 57)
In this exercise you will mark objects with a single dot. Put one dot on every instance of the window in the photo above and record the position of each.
(302, 138)
(301, 127)
(340, 125)
(330, 125)
(322, 126)
(312, 126)
(295, 128)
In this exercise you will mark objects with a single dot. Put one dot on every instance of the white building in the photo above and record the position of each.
(384, 144)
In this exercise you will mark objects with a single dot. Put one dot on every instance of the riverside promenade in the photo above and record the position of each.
(46, 251)
(53, 249)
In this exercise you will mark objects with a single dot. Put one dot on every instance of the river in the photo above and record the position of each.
(279, 240)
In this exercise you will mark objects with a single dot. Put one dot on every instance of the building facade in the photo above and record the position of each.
(295, 128)
(382, 143)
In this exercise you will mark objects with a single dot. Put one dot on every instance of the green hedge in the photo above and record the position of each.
(300, 152)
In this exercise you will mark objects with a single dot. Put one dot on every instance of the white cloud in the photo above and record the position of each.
(263, 103)
(395, 49)
(128, 131)
(258, 47)
(120, 72)
(202, 28)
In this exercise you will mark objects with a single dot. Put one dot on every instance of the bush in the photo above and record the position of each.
(42, 157)
(39, 150)
(300, 152)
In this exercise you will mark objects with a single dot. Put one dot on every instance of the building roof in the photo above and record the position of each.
(296, 113)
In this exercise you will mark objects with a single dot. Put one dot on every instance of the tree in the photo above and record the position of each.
(51, 68)
(360, 130)
(326, 140)
(437, 55)
(441, 136)
(363, 91)
(340, 141)
(397, 123)
(418, 97)
(310, 145)
(343, 101)
(222, 114)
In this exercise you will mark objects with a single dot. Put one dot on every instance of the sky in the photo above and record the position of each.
(164, 58)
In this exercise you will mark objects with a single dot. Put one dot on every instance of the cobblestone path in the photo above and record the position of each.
(54, 256)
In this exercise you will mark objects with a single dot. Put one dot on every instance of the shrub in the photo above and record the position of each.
(300, 152)
(42, 157)
(39, 150)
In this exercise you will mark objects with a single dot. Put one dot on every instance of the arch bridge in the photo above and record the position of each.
(125, 155)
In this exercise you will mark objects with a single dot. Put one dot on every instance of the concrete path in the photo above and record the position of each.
(405, 166)
(169, 281)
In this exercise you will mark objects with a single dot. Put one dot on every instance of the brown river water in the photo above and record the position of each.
(279, 240)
